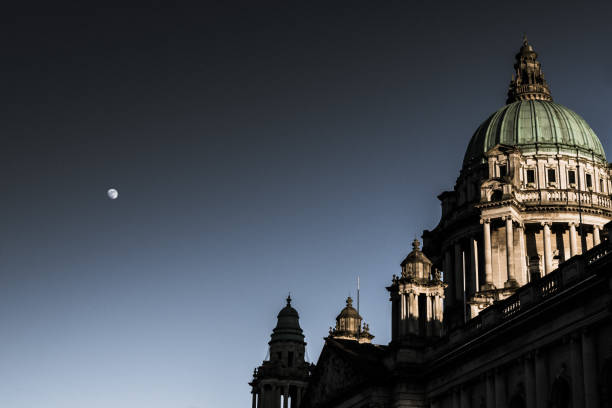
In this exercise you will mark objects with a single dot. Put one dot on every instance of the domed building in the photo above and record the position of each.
(509, 303)
(534, 190)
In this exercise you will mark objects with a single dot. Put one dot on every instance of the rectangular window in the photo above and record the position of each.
(502, 171)
(571, 177)
(290, 359)
(530, 176)
(589, 181)
(552, 176)
(601, 185)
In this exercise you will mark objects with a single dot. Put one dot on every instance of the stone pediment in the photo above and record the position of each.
(500, 149)
(343, 368)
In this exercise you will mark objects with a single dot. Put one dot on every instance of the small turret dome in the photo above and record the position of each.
(349, 310)
(288, 325)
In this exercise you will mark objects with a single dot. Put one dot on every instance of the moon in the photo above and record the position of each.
(112, 194)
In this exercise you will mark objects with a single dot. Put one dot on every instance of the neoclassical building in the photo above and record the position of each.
(509, 302)
(534, 190)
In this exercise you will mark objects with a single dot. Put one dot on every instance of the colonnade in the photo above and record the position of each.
(516, 267)
(278, 391)
(409, 312)
(539, 369)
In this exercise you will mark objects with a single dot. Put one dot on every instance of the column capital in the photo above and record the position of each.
(507, 218)
(573, 224)
(546, 223)
(598, 227)
(485, 220)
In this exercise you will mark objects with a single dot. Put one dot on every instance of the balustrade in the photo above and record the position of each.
(557, 196)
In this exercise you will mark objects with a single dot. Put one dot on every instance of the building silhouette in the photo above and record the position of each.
(509, 303)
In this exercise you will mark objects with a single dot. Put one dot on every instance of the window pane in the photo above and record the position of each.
(589, 180)
(551, 176)
(571, 177)
(531, 176)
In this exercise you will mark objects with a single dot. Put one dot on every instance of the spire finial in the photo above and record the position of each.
(528, 82)
(289, 299)
(415, 244)
(349, 301)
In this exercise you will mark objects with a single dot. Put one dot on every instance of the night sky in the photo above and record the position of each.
(258, 148)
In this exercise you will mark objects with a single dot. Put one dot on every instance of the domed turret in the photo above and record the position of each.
(348, 325)
(288, 325)
(416, 298)
(286, 372)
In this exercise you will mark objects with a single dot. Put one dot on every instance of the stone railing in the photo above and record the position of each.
(566, 197)
(568, 274)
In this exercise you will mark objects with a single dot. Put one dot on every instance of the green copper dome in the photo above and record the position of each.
(535, 127)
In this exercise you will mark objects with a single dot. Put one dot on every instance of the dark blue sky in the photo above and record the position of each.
(258, 148)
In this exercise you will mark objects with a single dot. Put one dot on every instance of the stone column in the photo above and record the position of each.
(428, 329)
(298, 398)
(277, 396)
(589, 361)
(262, 399)
(576, 371)
(500, 389)
(286, 397)
(541, 379)
(436, 315)
(511, 282)
(254, 402)
(403, 317)
(573, 239)
(596, 237)
(486, 225)
(474, 265)
(530, 390)
(456, 402)
(547, 249)
(448, 278)
(458, 273)
(490, 390)
(465, 398)
(414, 312)
(522, 254)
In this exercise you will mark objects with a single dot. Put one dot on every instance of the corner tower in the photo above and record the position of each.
(280, 381)
(417, 298)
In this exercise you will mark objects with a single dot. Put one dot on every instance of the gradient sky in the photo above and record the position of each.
(258, 148)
